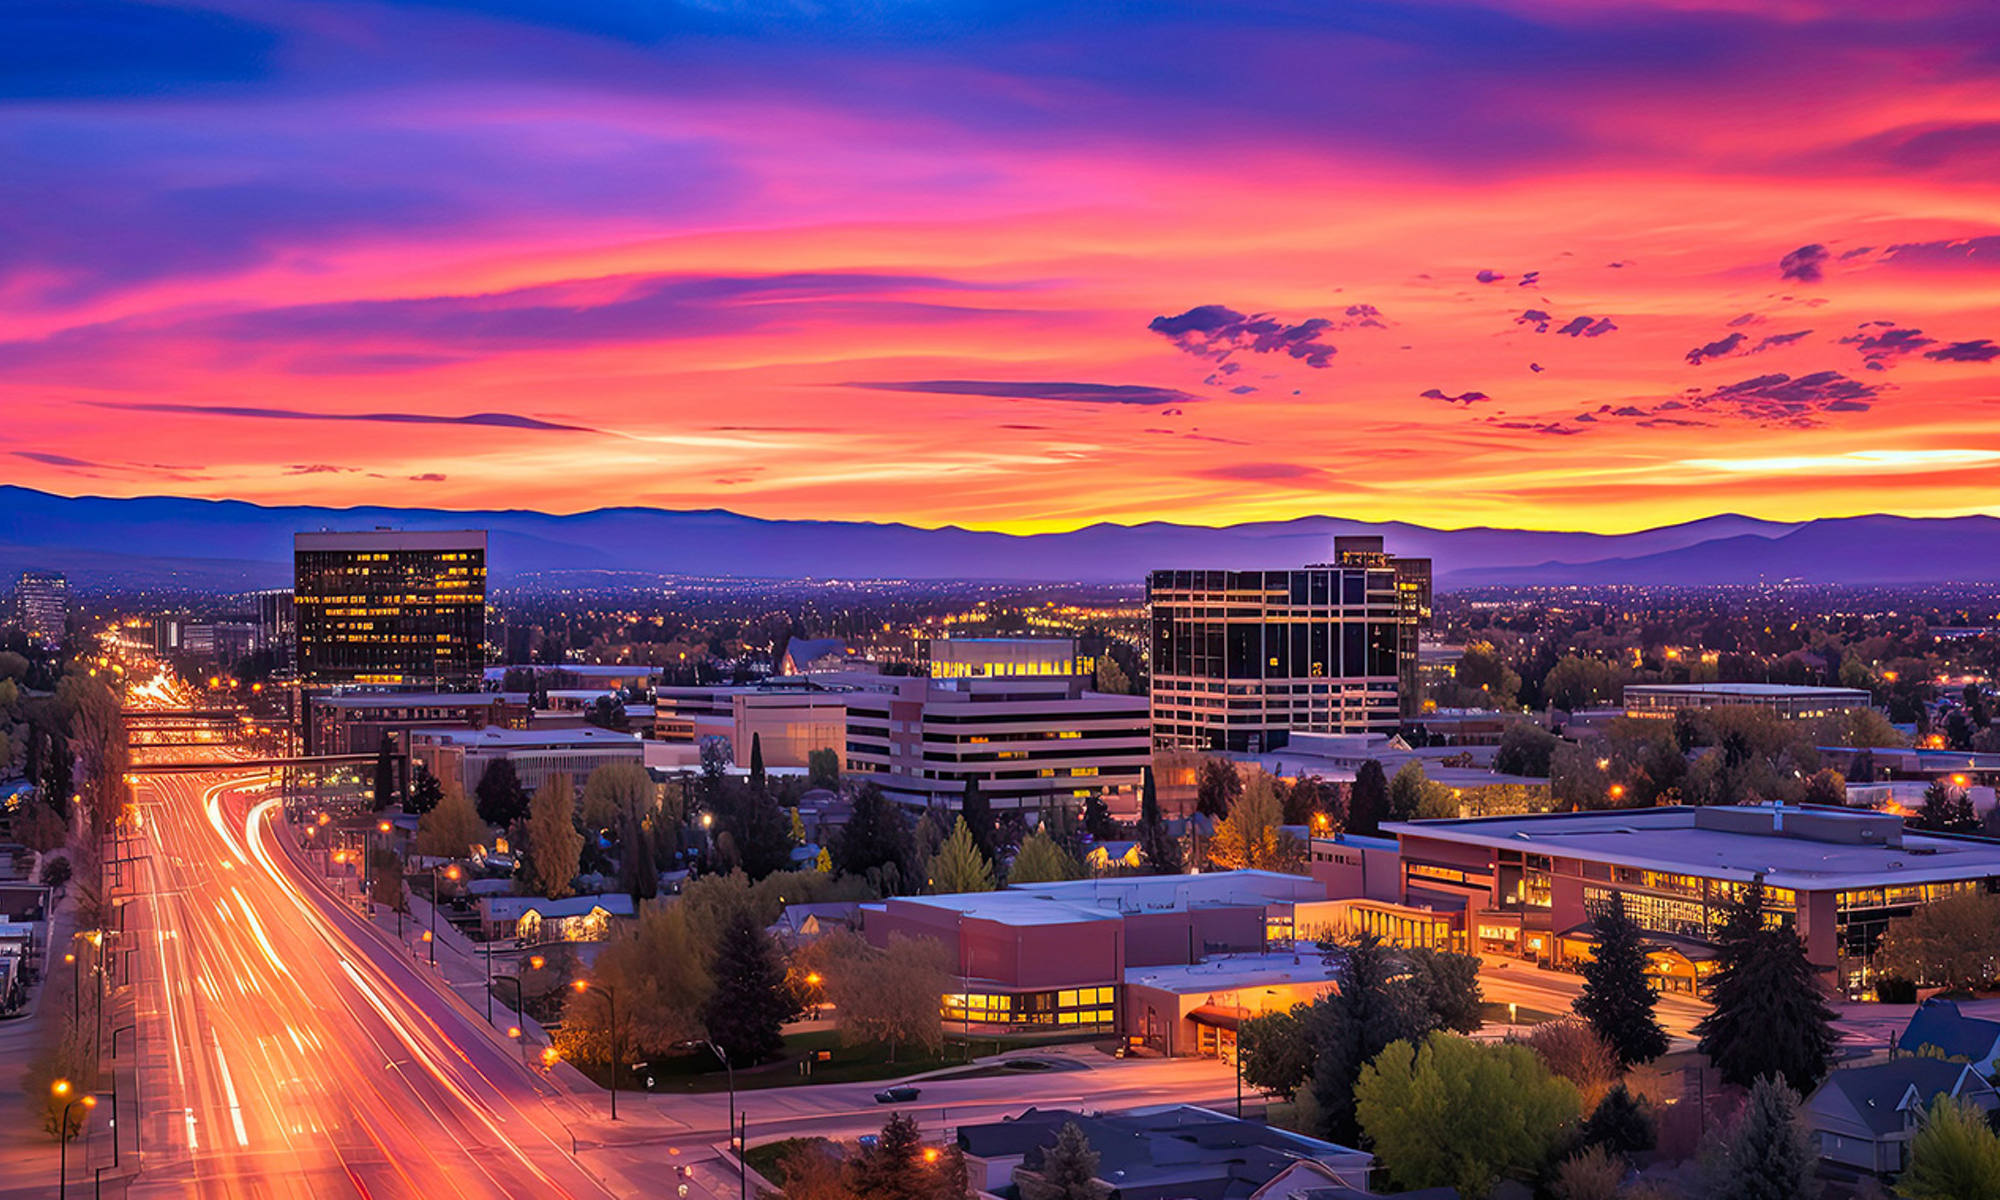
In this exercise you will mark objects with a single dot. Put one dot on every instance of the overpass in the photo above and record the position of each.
(249, 764)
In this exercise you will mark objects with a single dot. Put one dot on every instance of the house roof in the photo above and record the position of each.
(510, 908)
(1883, 1094)
(1940, 1023)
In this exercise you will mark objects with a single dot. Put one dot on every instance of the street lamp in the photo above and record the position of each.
(452, 873)
(611, 1005)
(61, 1090)
(520, 1003)
(729, 1072)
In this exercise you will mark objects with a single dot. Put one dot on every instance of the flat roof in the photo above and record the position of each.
(1669, 839)
(524, 739)
(414, 699)
(1800, 691)
(391, 539)
(1085, 900)
(1225, 972)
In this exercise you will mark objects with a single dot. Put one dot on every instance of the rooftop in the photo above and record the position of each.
(1798, 691)
(1227, 972)
(1108, 899)
(418, 699)
(1803, 848)
(522, 739)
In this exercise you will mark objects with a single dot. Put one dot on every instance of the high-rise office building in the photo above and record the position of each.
(1243, 658)
(390, 608)
(276, 618)
(41, 605)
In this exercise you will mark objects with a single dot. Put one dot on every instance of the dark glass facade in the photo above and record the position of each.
(390, 609)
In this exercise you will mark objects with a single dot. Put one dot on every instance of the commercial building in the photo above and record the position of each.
(1032, 743)
(466, 754)
(41, 607)
(356, 722)
(960, 658)
(1787, 700)
(275, 618)
(1527, 885)
(1242, 659)
(390, 608)
(1098, 955)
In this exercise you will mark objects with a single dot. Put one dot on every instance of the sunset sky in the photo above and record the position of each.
(1588, 264)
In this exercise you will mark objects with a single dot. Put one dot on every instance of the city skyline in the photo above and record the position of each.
(1532, 265)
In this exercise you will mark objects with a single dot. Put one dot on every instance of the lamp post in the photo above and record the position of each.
(611, 1005)
(729, 1072)
(520, 1001)
(61, 1089)
(451, 872)
(137, 1105)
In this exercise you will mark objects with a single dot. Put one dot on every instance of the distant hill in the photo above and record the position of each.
(167, 541)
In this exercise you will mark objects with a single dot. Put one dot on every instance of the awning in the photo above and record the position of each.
(1219, 1017)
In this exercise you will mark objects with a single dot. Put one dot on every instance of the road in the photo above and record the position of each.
(287, 1050)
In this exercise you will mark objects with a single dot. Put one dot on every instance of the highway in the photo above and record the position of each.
(287, 1050)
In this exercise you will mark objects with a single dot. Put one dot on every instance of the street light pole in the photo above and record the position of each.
(60, 1089)
(611, 1005)
(138, 1105)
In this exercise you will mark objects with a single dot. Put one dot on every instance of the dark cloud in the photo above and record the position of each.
(1804, 264)
(1586, 327)
(1216, 331)
(1980, 350)
(1536, 317)
(1487, 276)
(427, 477)
(1881, 344)
(1975, 253)
(1745, 319)
(1737, 345)
(495, 420)
(1467, 398)
(1530, 279)
(1780, 399)
(1717, 349)
(1074, 393)
(320, 469)
(58, 460)
(1776, 340)
(1553, 428)
(1536, 367)
(1265, 472)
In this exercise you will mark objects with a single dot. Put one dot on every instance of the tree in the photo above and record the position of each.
(977, 812)
(1767, 1154)
(1861, 768)
(1592, 1173)
(1952, 942)
(876, 843)
(1450, 1112)
(1525, 750)
(1413, 796)
(554, 845)
(1826, 786)
(1620, 1123)
(1946, 809)
(1252, 835)
(451, 828)
(608, 712)
(1446, 988)
(1097, 817)
(887, 996)
(1066, 1170)
(1111, 678)
(1040, 860)
(502, 800)
(1367, 800)
(1572, 1049)
(424, 794)
(1955, 1155)
(386, 879)
(661, 980)
(823, 768)
(749, 1003)
(55, 872)
(1159, 850)
(760, 780)
(1616, 999)
(897, 1168)
(1770, 1016)
(1276, 1049)
(614, 792)
(385, 774)
(97, 734)
(1371, 1009)
(959, 866)
(1216, 787)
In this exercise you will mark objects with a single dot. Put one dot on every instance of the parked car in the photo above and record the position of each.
(900, 1094)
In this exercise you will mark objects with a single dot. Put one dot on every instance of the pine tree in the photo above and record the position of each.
(1616, 999)
(749, 1003)
(1371, 1009)
(1368, 800)
(977, 812)
(1767, 1154)
(759, 781)
(1620, 1124)
(894, 1168)
(385, 775)
(959, 866)
(1040, 860)
(1217, 788)
(502, 800)
(1159, 850)
(1097, 820)
(876, 841)
(1067, 1171)
(1771, 1017)
(424, 794)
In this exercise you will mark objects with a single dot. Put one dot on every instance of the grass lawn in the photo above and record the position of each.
(1492, 1012)
(701, 1073)
(764, 1159)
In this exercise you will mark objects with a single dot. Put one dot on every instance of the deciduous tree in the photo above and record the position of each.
(451, 828)
(823, 768)
(1252, 835)
(661, 980)
(1951, 942)
(888, 996)
(554, 845)
(1955, 1155)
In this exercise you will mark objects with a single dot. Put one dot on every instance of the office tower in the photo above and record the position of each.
(276, 619)
(390, 608)
(41, 603)
(1243, 658)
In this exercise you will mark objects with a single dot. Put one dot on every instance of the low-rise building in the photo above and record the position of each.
(1942, 1027)
(356, 722)
(1864, 1117)
(466, 754)
(1787, 700)
(539, 919)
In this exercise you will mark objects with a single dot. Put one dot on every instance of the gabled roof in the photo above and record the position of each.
(1940, 1023)
(505, 908)
(1883, 1095)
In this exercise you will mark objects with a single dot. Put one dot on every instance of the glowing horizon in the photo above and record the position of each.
(1522, 263)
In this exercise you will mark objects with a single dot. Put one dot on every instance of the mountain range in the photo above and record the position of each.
(157, 541)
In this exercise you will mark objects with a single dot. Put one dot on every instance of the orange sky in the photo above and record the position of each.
(1088, 266)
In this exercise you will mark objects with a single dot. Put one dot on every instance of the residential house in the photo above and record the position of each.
(538, 919)
(1865, 1116)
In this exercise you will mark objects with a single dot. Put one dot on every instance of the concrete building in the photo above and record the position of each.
(1787, 700)
(41, 607)
(1526, 885)
(356, 722)
(465, 754)
(1032, 743)
(389, 608)
(960, 658)
(1243, 659)
(1061, 957)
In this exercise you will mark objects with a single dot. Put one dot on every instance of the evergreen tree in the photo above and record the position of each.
(978, 814)
(959, 866)
(1771, 1017)
(1217, 787)
(823, 768)
(502, 799)
(749, 1002)
(1767, 1154)
(894, 1168)
(1040, 860)
(637, 874)
(1097, 820)
(1620, 1124)
(1616, 999)
(424, 794)
(759, 780)
(1159, 850)
(1371, 1009)
(1067, 1170)
(1368, 800)
(385, 775)
(876, 842)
